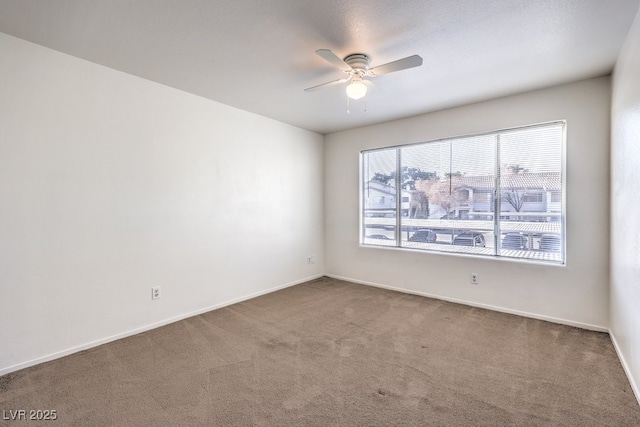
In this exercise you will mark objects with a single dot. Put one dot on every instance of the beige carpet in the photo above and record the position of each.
(332, 353)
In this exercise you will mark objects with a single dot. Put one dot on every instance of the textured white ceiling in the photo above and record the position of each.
(258, 55)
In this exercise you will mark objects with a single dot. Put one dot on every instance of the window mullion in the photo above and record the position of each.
(398, 198)
(497, 200)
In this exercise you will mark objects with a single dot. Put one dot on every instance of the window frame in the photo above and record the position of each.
(495, 196)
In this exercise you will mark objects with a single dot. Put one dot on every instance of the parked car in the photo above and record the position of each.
(424, 235)
(550, 243)
(515, 241)
(470, 238)
(378, 236)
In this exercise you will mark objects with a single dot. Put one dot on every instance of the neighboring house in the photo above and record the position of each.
(472, 197)
(380, 200)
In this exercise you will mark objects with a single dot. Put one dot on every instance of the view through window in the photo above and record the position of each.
(496, 194)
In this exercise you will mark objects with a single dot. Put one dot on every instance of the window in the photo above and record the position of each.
(533, 198)
(481, 197)
(497, 194)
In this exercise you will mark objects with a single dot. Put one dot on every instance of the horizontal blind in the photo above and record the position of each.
(442, 195)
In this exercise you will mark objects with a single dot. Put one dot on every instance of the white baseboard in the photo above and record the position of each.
(479, 305)
(625, 366)
(148, 327)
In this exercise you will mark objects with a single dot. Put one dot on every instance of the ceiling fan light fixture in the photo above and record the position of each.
(356, 90)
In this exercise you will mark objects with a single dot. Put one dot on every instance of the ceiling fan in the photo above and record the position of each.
(356, 67)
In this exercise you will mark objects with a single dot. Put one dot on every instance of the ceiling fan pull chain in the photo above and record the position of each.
(348, 110)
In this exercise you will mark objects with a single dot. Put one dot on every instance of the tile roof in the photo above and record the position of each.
(541, 180)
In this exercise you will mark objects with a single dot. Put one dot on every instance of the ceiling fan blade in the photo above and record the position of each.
(333, 59)
(335, 82)
(400, 64)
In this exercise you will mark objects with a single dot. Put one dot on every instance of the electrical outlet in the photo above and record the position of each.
(155, 292)
(474, 278)
(311, 259)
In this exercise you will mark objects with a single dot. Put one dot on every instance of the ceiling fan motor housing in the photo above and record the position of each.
(358, 61)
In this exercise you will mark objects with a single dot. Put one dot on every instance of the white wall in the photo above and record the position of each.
(576, 293)
(625, 206)
(111, 184)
